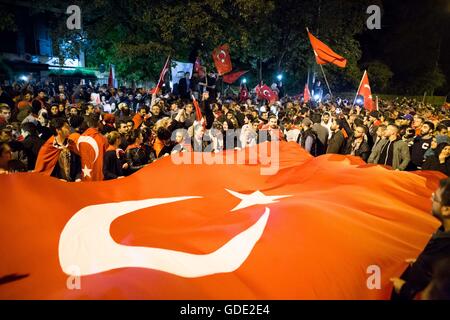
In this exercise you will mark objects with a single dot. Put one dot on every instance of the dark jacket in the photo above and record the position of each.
(418, 149)
(418, 276)
(336, 142)
(30, 147)
(432, 162)
(363, 150)
(112, 166)
(322, 138)
(183, 89)
(136, 158)
(302, 139)
(75, 169)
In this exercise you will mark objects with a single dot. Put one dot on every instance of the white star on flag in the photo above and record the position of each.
(86, 171)
(255, 198)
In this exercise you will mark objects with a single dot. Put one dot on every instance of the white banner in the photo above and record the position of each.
(179, 69)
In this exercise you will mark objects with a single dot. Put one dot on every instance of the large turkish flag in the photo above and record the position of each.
(313, 230)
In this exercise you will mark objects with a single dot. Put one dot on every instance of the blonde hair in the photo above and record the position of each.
(112, 137)
(162, 123)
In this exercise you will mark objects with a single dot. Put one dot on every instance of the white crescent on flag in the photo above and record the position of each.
(86, 244)
(90, 141)
(222, 53)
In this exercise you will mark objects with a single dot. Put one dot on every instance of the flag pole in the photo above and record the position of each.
(326, 80)
(157, 88)
(323, 72)
(359, 87)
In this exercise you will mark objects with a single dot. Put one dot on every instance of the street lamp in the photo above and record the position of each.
(244, 80)
(279, 77)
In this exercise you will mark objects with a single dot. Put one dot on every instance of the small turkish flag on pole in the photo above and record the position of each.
(198, 68)
(365, 91)
(306, 94)
(264, 92)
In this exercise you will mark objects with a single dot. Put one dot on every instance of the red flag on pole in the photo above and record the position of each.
(243, 94)
(198, 68)
(324, 54)
(92, 146)
(306, 94)
(365, 91)
(162, 76)
(222, 60)
(264, 92)
(232, 77)
(111, 76)
(198, 112)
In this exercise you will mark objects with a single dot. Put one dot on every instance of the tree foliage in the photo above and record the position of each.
(266, 35)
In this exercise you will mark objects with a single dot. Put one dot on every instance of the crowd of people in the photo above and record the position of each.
(139, 127)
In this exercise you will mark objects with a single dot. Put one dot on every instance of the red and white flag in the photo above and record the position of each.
(162, 76)
(198, 111)
(232, 77)
(222, 59)
(306, 94)
(215, 236)
(199, 68)
(266, 93)
(112, 75)
(365, 91)
(92, 146)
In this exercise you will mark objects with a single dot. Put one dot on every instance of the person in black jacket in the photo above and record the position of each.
(419, 274)
(113, 160)
(337, 140)
(30, 146)
(440, 160)
(184, 86)
(357, 145)
(136, 155)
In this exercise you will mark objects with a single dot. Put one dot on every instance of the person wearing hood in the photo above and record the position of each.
(440, 161)
(434, 143)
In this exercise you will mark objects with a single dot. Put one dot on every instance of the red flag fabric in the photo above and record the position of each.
(265, 92)
(198, 68)
(365, 91)
(161, 77)
(198, 112)
(324, 54)
(92, 146)
(49, 154)
(111, 76)
(306, 94)
(222, 59)
(232, 77)
(47, 157)
(286, 236)
(137, 119)
(243, 94)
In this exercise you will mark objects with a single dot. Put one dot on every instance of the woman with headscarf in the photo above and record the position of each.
(440, 161)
